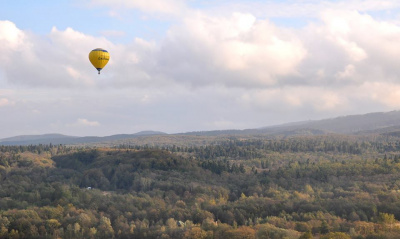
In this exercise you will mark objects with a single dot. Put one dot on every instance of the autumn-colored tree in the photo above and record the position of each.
(306, 235)
(105, 230)
(302, 227)
(52, 225)
(241, 233)
(209, 224)
(324, 228)
(387, 220)
(336, 235)
(195, 233)
(13, 234)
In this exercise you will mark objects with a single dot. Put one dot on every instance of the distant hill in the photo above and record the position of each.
(63, 139)
(37, 139)
(352, 124)
(383, 123)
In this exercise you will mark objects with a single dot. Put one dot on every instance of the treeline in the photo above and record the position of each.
(50, 148)
(258, 148)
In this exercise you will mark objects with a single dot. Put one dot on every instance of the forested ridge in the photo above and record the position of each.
(296, 187)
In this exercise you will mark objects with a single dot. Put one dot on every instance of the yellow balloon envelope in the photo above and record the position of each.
(99, 58)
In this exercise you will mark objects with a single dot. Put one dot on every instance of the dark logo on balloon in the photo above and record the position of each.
(104, 58)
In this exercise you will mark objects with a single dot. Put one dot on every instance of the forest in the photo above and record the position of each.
(326, 186)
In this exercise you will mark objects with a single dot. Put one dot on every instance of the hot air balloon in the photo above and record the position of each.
(99, 58)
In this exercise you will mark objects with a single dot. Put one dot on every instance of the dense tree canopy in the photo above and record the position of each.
(300, 187)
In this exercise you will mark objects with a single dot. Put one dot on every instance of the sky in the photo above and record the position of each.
(193, 65)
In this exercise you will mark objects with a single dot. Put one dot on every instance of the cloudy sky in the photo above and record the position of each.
(193, 65)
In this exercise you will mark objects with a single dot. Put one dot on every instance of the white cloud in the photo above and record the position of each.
(339, 27)
(10, 36)
(348, 48)
(113, 33)
(387, 94)
(303, 9)
(233, 51)
(4, 102)
(152, 6)
(85, 122)
(295, 98)
(347, 73)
